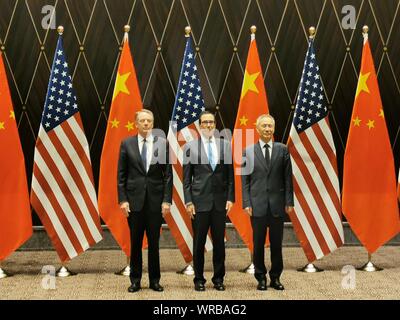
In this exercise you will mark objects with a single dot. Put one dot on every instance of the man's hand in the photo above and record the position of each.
(228, 207)
(249, 211)
(165, 209)
(288, 209)
(125, 209)
(191, 210)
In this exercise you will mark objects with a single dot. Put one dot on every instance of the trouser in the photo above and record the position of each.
(203, 221)
(275, 226)
(139, 222)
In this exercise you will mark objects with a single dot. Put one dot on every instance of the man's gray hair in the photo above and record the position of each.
(265, 115)
(145, 111)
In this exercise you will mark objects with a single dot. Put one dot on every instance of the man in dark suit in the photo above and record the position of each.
(144, 192)
(267, 194)
(208, 185)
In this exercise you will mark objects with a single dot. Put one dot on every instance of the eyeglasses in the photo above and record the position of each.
(208, 122)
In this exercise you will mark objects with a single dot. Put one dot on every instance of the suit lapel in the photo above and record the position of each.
(220, 152)
(154, 153)
(260, 155)
(137, 154)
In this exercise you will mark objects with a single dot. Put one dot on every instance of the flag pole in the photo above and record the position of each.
(187, 270)
(251, 268)
(127, 28)
(310, 267)
(369, 266)
(63, 270)
(3, 274)
(125, 271)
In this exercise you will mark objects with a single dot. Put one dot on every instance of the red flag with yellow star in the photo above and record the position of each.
(253, 103)
(15, 211)
(369, 197)
(126, 102)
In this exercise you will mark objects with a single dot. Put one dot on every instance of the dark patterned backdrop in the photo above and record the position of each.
(94, 31)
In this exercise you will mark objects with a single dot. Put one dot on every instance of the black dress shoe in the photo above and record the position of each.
(262, 285)
(219, 286)
(276, 284)
(199, 286)
(156, 287)
(134, 287)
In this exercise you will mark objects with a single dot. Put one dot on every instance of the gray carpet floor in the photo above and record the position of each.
(95, 277)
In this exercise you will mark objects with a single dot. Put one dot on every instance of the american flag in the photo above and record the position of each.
(63, 193)
(317, 211)
(184, 127)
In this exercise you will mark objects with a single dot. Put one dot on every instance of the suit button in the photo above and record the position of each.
(267, 190)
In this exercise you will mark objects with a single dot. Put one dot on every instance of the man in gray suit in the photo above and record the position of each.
(208, 186)
(267, 194)
(144, 194)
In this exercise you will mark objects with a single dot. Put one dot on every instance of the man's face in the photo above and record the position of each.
(144, 123)
(207, 125)
(266, 129)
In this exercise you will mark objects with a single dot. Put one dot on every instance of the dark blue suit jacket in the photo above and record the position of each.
(201, 185)
(134, 182)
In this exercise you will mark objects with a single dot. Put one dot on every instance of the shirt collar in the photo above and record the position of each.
(205, 139)
(149, 138)
(262, 144)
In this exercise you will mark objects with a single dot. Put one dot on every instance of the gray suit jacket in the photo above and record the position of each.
(201, 185)
(263, 187)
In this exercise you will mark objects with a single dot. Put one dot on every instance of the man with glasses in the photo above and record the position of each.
(208, 184)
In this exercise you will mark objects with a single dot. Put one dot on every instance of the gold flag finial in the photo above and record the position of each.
(188, 30)
(60, 30)
(365, 29)
(253, 29)
(311, 32)
(127, 28)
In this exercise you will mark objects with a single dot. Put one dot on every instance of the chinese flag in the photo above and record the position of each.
(253, 103)
(126, 102)
(369, 196)
(15, 211)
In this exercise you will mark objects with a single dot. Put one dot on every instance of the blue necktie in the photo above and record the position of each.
(211, 155)
(143, 155)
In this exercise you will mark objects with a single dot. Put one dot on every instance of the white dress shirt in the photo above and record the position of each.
(149, 145)
(262, 144)
(214, 149)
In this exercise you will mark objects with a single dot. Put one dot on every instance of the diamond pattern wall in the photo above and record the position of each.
(94, 31)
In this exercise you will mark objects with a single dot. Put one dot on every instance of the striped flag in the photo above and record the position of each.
(317, 211)
(184, 127)
(63, 193)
